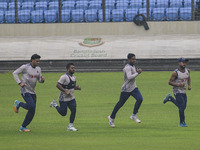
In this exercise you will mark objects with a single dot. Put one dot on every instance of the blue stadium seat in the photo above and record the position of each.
(37, 16)
(28, 6)
(187, 3)
(54, 3)
(1, 16)
(4, 1)
(91, 15)
(96, 1)
(12, 1)
(3, 6)
(30, 1)
(82, 4)
(107, 15)
(54, 6)
(122, 1)
(162, 3)
(172, 14)
(10, 16)
(195, 4)
(130, 13)
(68, 5)
(176, 3)
(50, 16)
(152, 3)
(95, 5)
(136, 4)
(11, 6)
(78, 15)
(122, 4)
(41, 6)
(43, 1)
(117, 15)
(24, 16)
(66, 15)
(158, 14)
(144, 12)
(186, 13)
(109, 4)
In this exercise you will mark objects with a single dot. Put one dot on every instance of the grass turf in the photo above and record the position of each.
(100, 91)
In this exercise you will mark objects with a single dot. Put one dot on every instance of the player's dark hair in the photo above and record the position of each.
(35, 56)
(130, 55)
(69, 64)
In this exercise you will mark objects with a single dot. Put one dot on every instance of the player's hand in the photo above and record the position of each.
(22, 84)
(182, 84)
(78, 87)
(189, 87)
(42, 79)
(139, 70)
(67, 92)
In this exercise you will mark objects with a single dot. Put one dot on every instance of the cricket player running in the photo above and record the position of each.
(67, 84)
(129, 88)
(179, 80)
(31, 73)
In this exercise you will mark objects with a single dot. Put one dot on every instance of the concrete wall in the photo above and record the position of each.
(82, 29)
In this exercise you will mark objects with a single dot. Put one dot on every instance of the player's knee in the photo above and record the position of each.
(73, 110)
(140, 100)
(31, 107)
(181, 109)
(63, 112)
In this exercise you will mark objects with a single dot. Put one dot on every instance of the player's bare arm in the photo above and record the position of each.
(59, 86)
(172, 79)
(78, 87)
(189, 81)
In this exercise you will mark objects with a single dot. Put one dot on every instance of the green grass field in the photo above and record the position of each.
(100, 91)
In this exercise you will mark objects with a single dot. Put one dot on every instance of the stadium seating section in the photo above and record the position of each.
(47, 11)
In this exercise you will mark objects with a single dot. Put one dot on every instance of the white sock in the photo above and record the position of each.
(70, 124)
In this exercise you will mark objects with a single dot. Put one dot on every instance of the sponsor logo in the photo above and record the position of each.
(92, 42)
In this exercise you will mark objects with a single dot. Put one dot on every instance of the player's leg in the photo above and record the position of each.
(123, 98)
(30, 105)
(169, 98)
(62, 110)
(182, 101)
(72, 107)
(184, 107)
(138, 96)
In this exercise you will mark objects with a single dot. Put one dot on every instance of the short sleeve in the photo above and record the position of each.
(64, 80)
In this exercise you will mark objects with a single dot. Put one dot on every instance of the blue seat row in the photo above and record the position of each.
(94, 4)
(93, 15)
(26, 16)
(124, 4)
(55, 5)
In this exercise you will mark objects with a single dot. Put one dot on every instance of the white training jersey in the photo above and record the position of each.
(182, 77)
(68, 82)
(30, 76)
(130, 75)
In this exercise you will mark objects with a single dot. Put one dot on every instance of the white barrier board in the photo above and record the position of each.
(100, 47)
